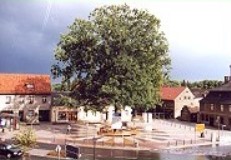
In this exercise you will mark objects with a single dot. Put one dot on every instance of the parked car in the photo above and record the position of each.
(9, 150)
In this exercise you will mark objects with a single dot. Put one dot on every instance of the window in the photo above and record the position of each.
(189, 97)
(206, 117)
(31, 99)
(62, 116)
(30, 113)
(44, 99)
(8, 99)
(185, 97)
(21, 99)
(212, 107)
(29, 86)
(222, 108)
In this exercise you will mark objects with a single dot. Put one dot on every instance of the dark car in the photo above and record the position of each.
(9, 150)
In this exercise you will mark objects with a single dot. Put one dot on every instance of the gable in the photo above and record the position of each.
(186, 94)
(171, 93)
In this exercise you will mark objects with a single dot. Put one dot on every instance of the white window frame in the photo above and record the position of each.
(21, 99)
(44, 99)
(8, 99)
(31, 99)
(211, 107)
(222, 108)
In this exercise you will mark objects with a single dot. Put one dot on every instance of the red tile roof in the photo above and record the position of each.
(25, 84)
(170, 93)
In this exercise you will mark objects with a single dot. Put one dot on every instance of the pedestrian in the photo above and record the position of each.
(202, 135)
(68, 129)
(3, 124)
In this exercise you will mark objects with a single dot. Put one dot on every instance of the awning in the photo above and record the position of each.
(8, 115)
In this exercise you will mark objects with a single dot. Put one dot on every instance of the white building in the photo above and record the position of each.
(26, 95)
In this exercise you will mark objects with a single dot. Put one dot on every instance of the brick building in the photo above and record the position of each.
(215, 108)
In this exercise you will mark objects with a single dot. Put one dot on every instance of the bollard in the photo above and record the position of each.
(184, 142)
(191, 141)
(176, 142)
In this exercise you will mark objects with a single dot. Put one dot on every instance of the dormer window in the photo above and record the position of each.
(29, 86)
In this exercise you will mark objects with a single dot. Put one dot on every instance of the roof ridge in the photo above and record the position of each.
(35, 74)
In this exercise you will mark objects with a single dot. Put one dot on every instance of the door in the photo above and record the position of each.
(44, 115)
(72, 116)
(211, 121)
(21, 114)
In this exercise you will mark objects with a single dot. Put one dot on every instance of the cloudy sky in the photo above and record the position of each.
(199, 33)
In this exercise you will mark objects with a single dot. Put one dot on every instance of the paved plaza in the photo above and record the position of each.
(165, 135)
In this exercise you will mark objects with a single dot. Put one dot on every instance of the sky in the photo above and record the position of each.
(198, 32)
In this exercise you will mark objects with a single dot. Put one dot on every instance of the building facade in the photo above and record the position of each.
(26, 95)
(60, 113)
(175, 98)
(215, 108)
(189, 114)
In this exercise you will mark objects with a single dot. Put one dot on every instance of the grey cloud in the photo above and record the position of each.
(29, 33)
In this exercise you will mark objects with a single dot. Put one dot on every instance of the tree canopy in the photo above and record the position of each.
(118, 55)
(205, 84)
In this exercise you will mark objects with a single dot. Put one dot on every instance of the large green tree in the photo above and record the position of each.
(118, 56)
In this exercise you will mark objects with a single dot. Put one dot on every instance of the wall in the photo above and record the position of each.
(89, 116)
(21, 103)
(186, 98)
(55, 113)
(211, 116)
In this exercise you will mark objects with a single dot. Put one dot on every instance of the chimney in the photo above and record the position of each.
(228, 78)
(230, 70)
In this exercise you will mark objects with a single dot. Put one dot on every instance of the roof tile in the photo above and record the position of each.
(170, 93)
(25, 84)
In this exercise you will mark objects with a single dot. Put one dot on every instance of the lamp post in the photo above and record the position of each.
(218, 127)
(94, 144)
(87, 129)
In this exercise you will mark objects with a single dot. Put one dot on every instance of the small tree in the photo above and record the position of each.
(26, 139)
